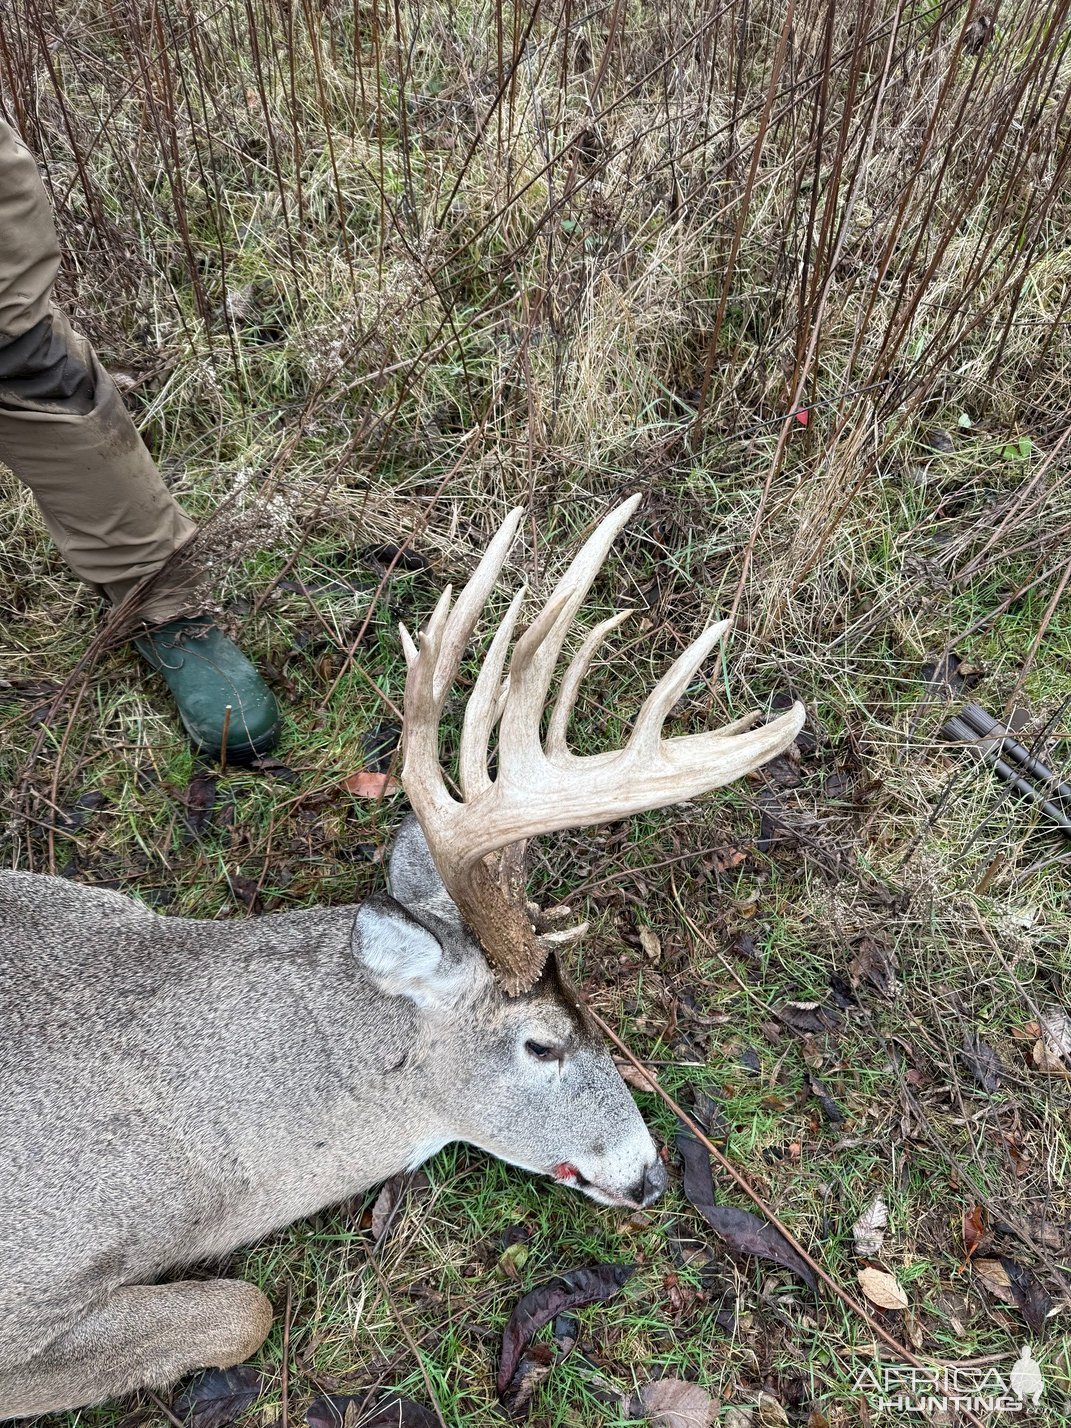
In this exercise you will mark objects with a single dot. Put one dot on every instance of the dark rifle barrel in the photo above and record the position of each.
(958, 729)
(982, 723)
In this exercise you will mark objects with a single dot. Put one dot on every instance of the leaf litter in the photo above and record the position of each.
(548, 1301)
(745, 1233)
(218, 1396)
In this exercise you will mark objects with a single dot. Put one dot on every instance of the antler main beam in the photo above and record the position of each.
(541, 786)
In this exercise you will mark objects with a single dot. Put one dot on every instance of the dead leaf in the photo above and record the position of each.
(386, 1206)
(534, 1367)
(869, 1230)
(651, 944)
(674, 1403)
(994, 1277)
(200, 799)
(1056, 1028)
(809, 1017)
(1016, 1154)
(976, 36)
(513, 1259)
(391, 1199)
(218, 1396)
(981, 1061)
(370, 785)
(541, 1304)
(638, 1080)
(832, 1112)
(724, 860)
(882, 1289)
(770, 1413)
(536, 1363)
(973, 1228)
(384, 1410)
(1032, 1299)
(1046, 1062)
(740, 1229)
(875, 964)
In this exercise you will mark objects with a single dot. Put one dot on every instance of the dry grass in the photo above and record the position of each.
(376, 274)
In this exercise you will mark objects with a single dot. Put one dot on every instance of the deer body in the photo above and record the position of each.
(172, 1089)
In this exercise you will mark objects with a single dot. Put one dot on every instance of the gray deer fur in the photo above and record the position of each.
(171, 1089)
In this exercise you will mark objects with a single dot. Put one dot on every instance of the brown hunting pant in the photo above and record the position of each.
(64, 430)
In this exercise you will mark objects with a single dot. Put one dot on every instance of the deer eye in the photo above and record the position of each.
(541, 1052)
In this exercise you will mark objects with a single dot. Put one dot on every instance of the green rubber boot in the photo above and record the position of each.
(206, 673)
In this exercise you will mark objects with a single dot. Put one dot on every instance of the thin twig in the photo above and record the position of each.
(284, 1388)
(223, 739)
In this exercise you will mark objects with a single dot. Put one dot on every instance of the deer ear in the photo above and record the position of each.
(414, 879)
(400, 955)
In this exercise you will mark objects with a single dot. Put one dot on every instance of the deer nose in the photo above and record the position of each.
(655, 1179)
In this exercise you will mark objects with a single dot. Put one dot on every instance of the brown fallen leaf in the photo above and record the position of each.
(1047, 1063)
(391, 1201)
(638, 1080)
(1052, 1050)
(370, 785)
(875, 964)
(724, 860)
(770, 1413)
(992, 1274)
(1056, 1029)
(973, 1228)
(535, 1366)
(200, 799)
(882, 1289)
(1013, 1284)
(809, 1017)
(651, 943)
(674, 1403)
(386, 1206)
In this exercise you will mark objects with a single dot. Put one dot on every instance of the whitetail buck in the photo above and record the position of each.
(173, 1089)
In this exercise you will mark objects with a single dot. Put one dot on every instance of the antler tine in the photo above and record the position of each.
(470, 602)
(485, 706)
(409, 648)
(536, 652)
(557, 731)
(647, 730)
(709, 760)
(476, 843)
(433, 661)
(737, 726)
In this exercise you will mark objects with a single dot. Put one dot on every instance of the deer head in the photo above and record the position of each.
(477, 841)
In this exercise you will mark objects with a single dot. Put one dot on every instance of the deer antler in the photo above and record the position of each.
(542, 786)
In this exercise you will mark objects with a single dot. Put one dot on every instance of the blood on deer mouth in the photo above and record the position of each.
(569, 1175)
